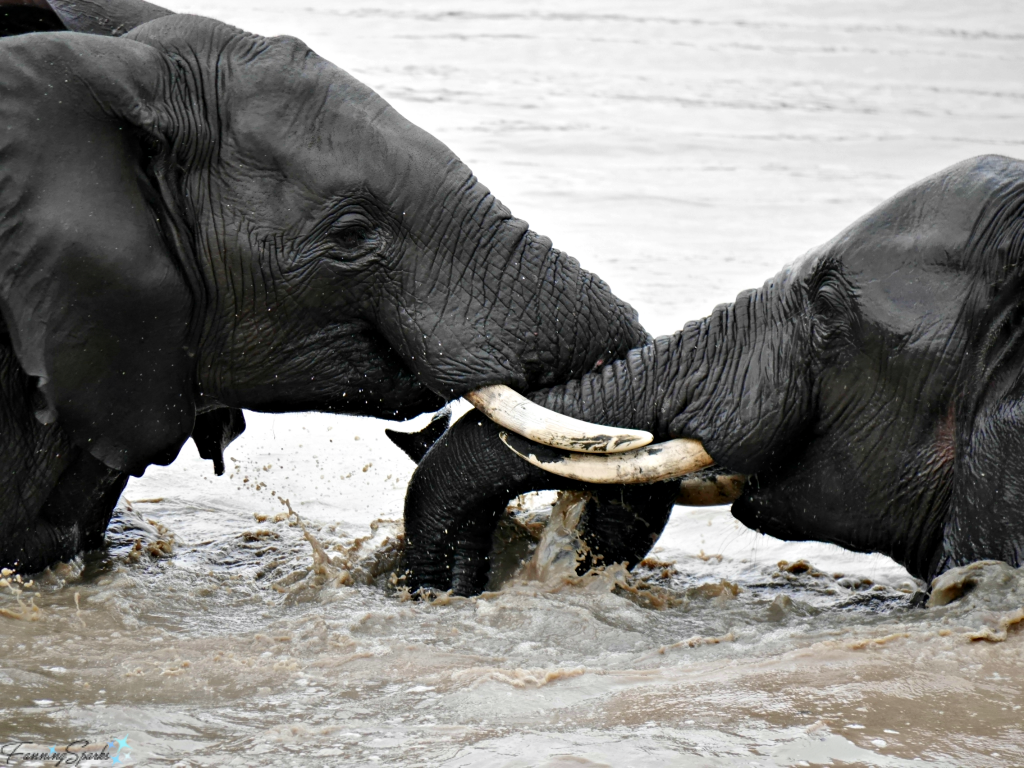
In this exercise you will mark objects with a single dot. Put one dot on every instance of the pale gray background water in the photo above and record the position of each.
(684, 151)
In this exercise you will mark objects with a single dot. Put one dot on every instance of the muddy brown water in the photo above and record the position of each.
(684, 151)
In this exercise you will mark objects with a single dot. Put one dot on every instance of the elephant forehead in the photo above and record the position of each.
(910, 263)
(294, 128)
(934, 224)
(320, 127)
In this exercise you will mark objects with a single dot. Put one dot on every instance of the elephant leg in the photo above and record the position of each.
(82, 494)
(986, 517)
(621, 523)
(73, 518)
(56, 499)
(39, 544)
(84, 498)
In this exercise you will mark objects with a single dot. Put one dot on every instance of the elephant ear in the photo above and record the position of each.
(106, 17)
(94, 299)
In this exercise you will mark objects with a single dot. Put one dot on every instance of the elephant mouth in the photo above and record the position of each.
(764, 507)
(711, 488)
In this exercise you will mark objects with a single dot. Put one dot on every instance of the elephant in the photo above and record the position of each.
(870, 395)
(196, 220)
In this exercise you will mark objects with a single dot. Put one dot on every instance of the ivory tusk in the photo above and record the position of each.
(710, 491)
(662, 461)
(507, 408)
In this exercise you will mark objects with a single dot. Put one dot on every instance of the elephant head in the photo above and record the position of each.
(193, 217)
(872, 393)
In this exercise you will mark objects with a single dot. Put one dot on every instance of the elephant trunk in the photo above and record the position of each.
(626, 393)
(738, 380)
(463, 485)
(563, 320)
(522, 313)
(744, 384)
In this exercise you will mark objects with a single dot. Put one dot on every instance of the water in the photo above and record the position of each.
(684, 152)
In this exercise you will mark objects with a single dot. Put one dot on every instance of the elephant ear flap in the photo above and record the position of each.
(92, 296)
(214, 431)
(106, 17)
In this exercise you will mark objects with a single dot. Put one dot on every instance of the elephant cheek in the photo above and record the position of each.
(777, 509)
(754, 511)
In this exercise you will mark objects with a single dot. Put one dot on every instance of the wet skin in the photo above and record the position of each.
(195, 220)
(873, 392)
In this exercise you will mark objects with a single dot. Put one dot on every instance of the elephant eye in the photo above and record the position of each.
(833, 306)
(352, 234)
(351, 238)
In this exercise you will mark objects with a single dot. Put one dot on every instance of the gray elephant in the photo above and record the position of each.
(194, 220)
(871, 395)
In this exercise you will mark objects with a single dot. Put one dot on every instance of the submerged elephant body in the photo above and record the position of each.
(873, 392)
(195, 220)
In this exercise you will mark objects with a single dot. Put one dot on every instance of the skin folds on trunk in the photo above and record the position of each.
(734, 380)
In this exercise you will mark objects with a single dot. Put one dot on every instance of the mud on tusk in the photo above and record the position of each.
(709, 491)
(662, 461)
(507, 408)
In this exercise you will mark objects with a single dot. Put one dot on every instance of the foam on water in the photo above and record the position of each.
(684, 151)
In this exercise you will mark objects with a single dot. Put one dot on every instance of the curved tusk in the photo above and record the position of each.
(710, 491)
(507, 408)
(662, 461)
